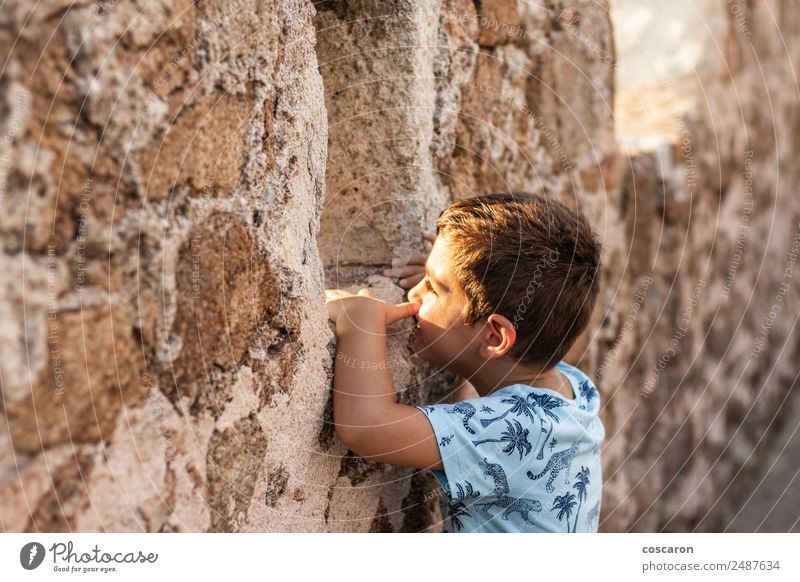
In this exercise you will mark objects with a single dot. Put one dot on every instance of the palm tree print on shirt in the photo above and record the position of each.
(515, 436)
(547, 403)
(588, 391)
(564, 503)
(520, 406)
(593, 515)
(527, 405)
(457, 508)
(581, 484)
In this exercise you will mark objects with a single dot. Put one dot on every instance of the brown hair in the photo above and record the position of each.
(530, 259)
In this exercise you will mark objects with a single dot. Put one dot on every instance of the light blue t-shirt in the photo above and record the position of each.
(522, 459)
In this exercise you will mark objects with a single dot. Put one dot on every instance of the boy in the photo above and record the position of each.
(509, 285)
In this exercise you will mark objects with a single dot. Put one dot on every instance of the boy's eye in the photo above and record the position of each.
(429, 286)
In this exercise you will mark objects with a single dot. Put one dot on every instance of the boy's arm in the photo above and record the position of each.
(366, 413)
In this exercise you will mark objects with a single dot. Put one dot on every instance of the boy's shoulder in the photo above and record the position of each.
(587, 396)
(585, 390)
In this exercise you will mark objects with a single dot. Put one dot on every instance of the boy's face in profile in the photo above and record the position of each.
(442, 337)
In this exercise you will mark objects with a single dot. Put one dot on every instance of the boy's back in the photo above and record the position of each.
(522, 459)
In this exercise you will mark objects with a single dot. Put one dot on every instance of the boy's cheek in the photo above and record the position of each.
(424, 313)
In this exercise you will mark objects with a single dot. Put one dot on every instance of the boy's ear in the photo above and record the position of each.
(499, 336)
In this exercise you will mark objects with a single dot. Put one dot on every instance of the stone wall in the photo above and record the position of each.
(180, 182)
(164, 340)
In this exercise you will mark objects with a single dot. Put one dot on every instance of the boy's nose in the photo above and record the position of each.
(413, 293)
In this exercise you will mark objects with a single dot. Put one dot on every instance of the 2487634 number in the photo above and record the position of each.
(748, 565)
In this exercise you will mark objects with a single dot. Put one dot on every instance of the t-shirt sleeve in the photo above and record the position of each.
(459, 435)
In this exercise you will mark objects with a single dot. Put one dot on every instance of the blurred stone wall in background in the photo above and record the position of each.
(713, 220)
(181, 181)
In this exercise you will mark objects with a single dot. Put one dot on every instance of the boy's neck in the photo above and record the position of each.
(492, 377)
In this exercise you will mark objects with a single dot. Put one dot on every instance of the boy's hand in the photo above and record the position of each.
(363, 311)
(412, 268)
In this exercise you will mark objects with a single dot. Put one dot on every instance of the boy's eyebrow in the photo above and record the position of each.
(434, 279)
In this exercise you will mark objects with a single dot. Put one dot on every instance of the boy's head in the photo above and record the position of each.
(512, 275)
